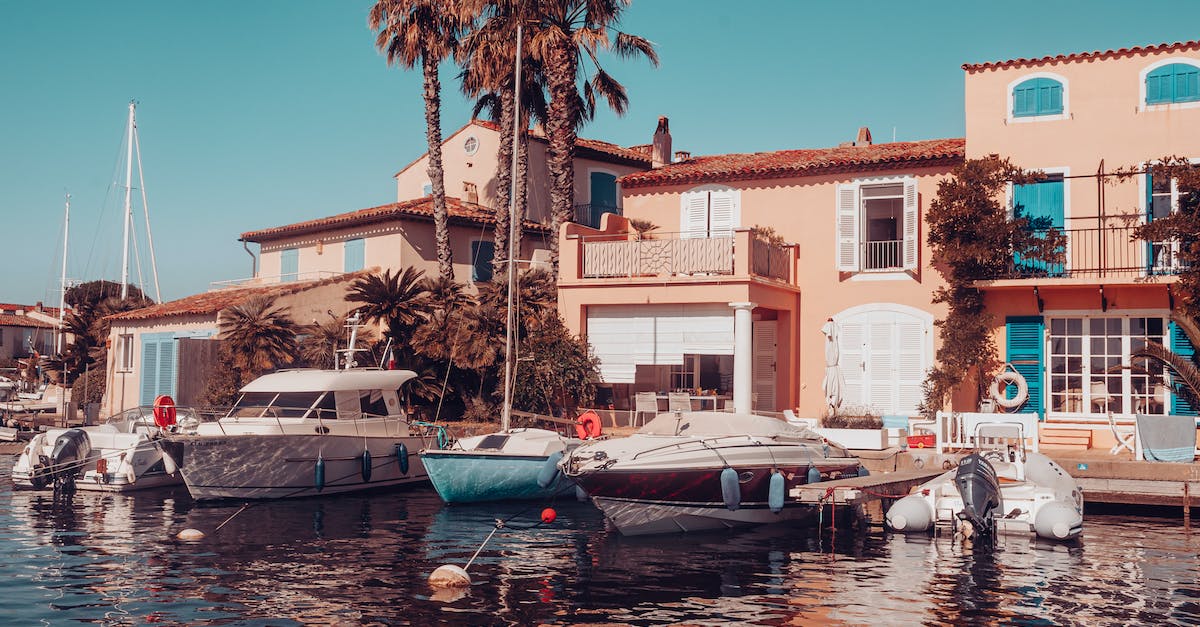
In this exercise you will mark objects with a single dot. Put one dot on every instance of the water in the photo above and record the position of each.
(364, 560)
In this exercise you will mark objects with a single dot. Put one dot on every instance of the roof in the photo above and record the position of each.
(807, 162)
(212, 302)
(1082, 56)
(9, 320)
(312, 380)
(460, 212)
(49, 311)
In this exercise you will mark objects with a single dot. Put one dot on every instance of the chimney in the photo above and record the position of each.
(472, 193)
(660, 146)
(864, 137)
(682, 155)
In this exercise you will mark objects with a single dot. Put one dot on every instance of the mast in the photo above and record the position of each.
(506, 413)
(62, 283)
(128, 206)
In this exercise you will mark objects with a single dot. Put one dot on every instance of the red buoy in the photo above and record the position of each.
(548, 515)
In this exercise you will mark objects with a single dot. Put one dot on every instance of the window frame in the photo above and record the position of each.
(1144, 106)
(1047, 117)
(125, 352)
(1128, 396)
(476, 246)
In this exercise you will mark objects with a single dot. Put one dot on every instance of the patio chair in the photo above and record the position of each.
(679, 401)
(1100, 396)
(644, 403)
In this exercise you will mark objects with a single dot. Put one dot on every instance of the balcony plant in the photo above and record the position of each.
(642, 228)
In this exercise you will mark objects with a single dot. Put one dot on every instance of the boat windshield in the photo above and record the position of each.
(276, 404)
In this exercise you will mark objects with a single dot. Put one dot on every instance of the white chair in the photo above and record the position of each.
(1100, 397)
(644, 403)
(679, 401)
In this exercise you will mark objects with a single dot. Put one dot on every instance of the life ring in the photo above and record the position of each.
(164, 411)
(588, 425)
(1010, 377)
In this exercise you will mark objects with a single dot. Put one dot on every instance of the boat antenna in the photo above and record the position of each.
(506, 412)
(62, 285)
(352, 323)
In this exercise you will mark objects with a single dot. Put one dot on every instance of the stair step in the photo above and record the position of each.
(1065, 441)
(1063, 447)
(1066, 432)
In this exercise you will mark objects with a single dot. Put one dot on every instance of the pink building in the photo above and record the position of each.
(1078, 117)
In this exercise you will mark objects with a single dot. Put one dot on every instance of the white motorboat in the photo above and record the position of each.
(125, 453)
(305, 432)
(691, 471)
(996, 490)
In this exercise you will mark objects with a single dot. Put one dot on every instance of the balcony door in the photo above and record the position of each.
(603, 197)
(1042, 204)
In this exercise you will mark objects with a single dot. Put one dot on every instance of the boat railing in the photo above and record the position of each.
(278, 414)
(680, 445)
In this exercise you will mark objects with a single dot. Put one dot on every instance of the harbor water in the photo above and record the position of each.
(365, 559)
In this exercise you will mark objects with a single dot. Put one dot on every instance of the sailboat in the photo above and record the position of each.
(511, 464)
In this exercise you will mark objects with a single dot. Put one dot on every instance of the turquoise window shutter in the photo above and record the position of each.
(1037, 96)
(1181, 345)
(1177, 82)
(1025, 351)
(149, 371)
(289, 264)
(482, 255)
(1042, 203)
(167, 366)
(355, 257)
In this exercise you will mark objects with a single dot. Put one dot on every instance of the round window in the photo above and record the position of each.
(471, 146)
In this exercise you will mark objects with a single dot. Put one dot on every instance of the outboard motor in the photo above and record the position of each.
(66, 462)
(979, 488)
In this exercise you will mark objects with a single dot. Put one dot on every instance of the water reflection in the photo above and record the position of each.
(364, 559)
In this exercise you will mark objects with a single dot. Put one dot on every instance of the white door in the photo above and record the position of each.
(765, 354)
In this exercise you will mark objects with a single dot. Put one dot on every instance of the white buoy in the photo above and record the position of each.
(190, 535)
(449, 576)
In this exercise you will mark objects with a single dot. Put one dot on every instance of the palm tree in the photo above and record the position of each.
(566, 34)
(258, 335)
(319, 341)
(424, 32)
(400, 301)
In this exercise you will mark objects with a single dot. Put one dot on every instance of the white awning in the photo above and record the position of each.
(625, 336)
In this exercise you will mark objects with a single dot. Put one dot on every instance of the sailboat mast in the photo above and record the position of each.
(506, 413)
(62, 283)
(128, 206)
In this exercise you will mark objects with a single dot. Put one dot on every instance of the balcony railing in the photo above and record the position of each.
(883, 255)
(674, 254)
(1110, 252)
(589, 215)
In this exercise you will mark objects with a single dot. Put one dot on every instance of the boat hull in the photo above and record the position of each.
(273, 466)
(134, 461)
(476, 477)
(639, 517)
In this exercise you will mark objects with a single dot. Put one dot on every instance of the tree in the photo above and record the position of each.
(400, 301)
(972, 238)
(424, 32)
(563, 36)
(556, 371)
(259, 335)
(319, 342)
(1180, 225)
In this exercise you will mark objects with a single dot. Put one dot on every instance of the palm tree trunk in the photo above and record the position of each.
(560, 128)
(522, 187)
(433, 134)
(503, 180)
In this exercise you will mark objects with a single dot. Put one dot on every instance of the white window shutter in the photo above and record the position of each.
(693, 215)
(847, 228)
(911, 215)
(723, 210)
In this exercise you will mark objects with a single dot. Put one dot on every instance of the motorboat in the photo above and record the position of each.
(693, 471)
(306, 432)
(125, 453)
(996, 489)
(512, 464)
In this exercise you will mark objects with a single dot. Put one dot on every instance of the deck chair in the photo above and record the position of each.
(679, 401)
(643, 403)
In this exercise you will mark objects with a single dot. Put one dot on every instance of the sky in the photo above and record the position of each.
(263, 113)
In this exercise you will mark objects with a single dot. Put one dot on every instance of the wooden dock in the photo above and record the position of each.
(868, 496)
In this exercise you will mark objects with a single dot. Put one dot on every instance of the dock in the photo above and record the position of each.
(868, 496)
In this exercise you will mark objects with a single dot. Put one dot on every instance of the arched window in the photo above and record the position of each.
(1037, 96)
(1174, 82)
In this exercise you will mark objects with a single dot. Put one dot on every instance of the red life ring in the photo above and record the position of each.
(588, 425)
(164, 411)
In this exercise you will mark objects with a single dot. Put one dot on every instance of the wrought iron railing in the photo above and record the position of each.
(1108, 252)
(589, 214)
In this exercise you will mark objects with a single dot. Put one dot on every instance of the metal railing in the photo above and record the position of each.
(274, 278)
(1107, 252)
(883, 255)
(665, 254)
(769, 260)
(589, 214)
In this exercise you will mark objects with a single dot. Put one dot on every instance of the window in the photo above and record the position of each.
(427, 189)
(1042, 203)
(125, 351)
(1171, 83)
(877, 225)
(603, 192)
(709, 211)
(289, 264)
(483, 252)
(1162, 198)
(1036, 97)
(1088, 358)
(471, 145)
(158, 366)
(355, 255)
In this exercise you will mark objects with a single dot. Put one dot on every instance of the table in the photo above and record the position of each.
(698, 401)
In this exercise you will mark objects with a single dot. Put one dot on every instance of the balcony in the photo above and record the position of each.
(589, 215)
(1103, 253)
(676, 255)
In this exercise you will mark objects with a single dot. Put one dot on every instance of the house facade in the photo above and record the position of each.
(1070, 328)
(753, 254)
(27, 329)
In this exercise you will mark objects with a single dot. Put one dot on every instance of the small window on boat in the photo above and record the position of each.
(326, 408)
(494, 442)
(372, 403)
(275, 404)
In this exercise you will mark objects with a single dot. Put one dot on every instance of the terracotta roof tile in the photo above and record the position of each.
(212, 302)
(50, 311)
(807, 162)
(460, 212)
(9, 320)
(1080, 56)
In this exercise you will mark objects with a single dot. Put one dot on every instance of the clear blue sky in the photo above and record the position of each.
(261, 113)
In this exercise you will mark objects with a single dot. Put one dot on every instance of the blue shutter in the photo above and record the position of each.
(1025, 345)
(149, 371)
(482, 255)
(1181, 345)
(167, 366)
(1037, 96)
(1024, 103)
(1177, 82)
(1042, 203)
(289, 264)
(355, 257)
(1187, 83)
(604, 196)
